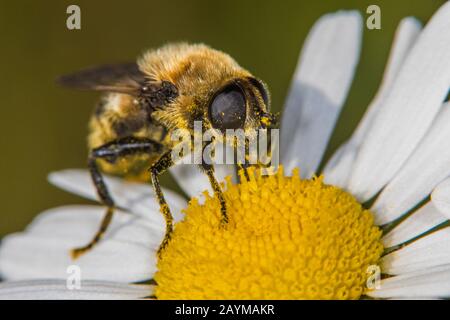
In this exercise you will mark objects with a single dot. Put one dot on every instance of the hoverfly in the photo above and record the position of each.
(143, 102)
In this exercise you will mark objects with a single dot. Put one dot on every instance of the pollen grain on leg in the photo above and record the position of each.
(286, 238)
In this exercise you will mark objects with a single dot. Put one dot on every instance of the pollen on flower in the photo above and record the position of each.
(287, 238)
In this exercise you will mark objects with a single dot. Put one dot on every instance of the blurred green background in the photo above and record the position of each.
(43, 127)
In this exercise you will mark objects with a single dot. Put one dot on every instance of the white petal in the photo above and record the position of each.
(125, 254)
(55, 289)
(408, 109)
(138, 198)
(441, 197)
(319, 88)
(432, 283)
(423, 220)
(430, 251)
(338, 169)
(425, 168)
(406, 36)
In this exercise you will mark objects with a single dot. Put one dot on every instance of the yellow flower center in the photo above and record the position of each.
(286, 238)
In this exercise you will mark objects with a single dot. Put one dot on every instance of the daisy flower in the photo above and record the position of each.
(380, 207)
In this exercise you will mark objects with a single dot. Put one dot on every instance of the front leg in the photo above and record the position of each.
(209, 170)
(244, 166)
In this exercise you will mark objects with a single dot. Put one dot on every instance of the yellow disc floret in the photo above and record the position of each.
(286, 238)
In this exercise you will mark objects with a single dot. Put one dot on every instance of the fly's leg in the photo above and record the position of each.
(209, 170)
(246, 164)
(158, 168)
(111, 152)
(106, 199)
(244, 167)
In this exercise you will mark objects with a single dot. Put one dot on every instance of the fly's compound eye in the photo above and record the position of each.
(228, 108)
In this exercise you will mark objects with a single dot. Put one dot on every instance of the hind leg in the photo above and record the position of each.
(111, 152)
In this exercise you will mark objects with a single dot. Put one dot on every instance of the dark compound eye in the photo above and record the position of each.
(227, 109)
